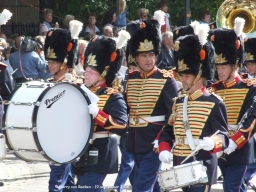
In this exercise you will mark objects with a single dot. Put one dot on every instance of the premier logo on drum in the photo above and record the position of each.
(50, 102)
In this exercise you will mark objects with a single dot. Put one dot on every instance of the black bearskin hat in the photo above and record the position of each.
(104, 55)
(250, 49)
(56, 44)
(191, 55)
(184, 30)
(131, 28)
(228, 44)
(146, 39)
(61, 44)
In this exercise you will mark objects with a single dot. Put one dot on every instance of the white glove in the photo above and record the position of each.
(155, 144)
(165, 156)
(206, 144)
(93, 109)
(231, 147)
(155, 147)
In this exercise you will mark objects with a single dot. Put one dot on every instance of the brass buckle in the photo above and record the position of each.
(181, 140)
(136, 120)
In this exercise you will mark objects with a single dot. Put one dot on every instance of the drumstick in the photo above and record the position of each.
(197, 149)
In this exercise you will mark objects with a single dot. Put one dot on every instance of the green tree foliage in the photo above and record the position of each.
(81, 8)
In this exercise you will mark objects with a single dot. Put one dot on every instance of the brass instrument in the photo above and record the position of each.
(230, 9)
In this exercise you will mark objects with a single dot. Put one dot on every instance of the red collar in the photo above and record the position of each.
(146, 75)
(233, 82)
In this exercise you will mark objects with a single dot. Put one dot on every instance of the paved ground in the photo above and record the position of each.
(19, 176)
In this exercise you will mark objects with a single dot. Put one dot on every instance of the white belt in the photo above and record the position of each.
(184, 141)
(101, 135)
(138, 120)
(232, 127)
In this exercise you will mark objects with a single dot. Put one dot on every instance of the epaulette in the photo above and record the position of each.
(167, 73)
(111, 90)
(3, 65)
(249, 82)
(217, 96)
(133, 72)
(216, 84)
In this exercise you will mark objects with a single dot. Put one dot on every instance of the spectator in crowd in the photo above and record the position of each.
(143, 14)
(6, 54)
(66, 21)
(205, 16)
(163, 6)
(108, 31)
(40, 51)
(121, 14)
(46, 25)
(27, 63)
(6, 81)
(79, 68)
(91, 29)
(109, 18)
(40, 46)
(55, 25)
(165, 59)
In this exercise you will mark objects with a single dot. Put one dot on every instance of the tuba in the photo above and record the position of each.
(230, 9)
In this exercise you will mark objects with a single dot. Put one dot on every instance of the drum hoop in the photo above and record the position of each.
(34, 115)
(9, 145)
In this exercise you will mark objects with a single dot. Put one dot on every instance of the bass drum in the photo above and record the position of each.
(48, 122)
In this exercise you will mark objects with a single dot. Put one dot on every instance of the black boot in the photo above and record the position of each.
(1, 184)
(220, 178)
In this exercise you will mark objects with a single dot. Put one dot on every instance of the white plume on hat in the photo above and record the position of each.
(5, 16)
(239, 26)
(195, 25)
(75, 27)
(159, 16)
(121, 40)
(203, 30)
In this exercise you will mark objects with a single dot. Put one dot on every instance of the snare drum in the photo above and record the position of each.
(183, 175)
(48, 122)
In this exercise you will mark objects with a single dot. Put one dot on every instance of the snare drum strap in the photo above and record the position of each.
(186, 125)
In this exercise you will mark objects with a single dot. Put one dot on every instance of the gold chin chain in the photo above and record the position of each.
(103, 74)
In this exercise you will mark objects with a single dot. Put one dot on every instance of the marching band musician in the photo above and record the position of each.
(149, 95)
(61, 49)
(250, 63)
(104, 58)
(250, 60)
(198, 114)
(238, 95)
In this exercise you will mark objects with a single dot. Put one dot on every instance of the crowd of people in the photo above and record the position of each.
(163, 89)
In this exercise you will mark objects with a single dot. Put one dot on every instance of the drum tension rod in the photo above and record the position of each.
(30, 150)
(21, 103)
(39, 86)
(34, 129)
